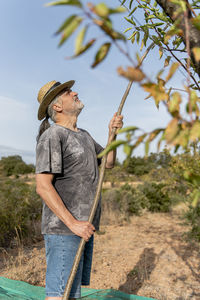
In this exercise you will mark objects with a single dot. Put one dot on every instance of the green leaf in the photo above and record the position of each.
(196, 22)
(79, 39)
(146, 148)
(196, 198)
(130, 21)
(130, 4)
(65, 2)
(138, 37)
(127, 150)
(101, 54)
(67, 22)
(132, 11)
(127, 129)
(117, 10)
(127, 29)
(111, 147)
(83, 49)
(67, 32)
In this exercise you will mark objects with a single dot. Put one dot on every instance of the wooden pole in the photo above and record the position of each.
(95, 203)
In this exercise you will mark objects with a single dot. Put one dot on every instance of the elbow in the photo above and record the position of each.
(39, 190)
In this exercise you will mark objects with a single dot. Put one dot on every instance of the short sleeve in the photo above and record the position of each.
(98, 150)
(49, 154)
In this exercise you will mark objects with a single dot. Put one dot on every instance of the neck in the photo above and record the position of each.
(70, 122)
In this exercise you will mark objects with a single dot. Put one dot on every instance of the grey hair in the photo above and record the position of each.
(51, 113)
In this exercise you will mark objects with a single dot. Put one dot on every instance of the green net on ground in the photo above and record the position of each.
(19, 290)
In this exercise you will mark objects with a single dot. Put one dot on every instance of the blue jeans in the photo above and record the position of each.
(60, 254)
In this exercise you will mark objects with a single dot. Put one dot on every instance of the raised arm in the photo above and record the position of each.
(116, 122)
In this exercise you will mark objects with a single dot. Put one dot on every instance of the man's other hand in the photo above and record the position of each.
(115, 122)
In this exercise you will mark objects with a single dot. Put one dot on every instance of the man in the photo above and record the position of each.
(66, 178)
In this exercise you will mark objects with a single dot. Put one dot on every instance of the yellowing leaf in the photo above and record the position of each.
(119, 9)
(133, 74)
(160, 52)
(154, 134)
(157, 91)
(174, 103)
(101, 54)
(101, 10)
(196, 52)
(79, 40)
(171, 130)
(182, 138)
(139, 140)
(195, 131)
(107, 28)
(167, 60)
(172, 71)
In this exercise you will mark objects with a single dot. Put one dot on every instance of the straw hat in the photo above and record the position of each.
(48, 92)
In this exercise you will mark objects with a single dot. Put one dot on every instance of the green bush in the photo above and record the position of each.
(157, 195)
(14, 165)
(148, 196)
(193, 219)
(136, 200)
(20, 210)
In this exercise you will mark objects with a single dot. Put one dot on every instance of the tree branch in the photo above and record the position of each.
(194, 38)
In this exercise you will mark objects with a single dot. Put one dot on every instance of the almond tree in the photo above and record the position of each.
(172, 27)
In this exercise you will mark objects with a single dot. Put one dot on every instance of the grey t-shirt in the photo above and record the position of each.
(72, 158)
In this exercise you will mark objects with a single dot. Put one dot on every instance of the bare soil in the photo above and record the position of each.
(149, 256)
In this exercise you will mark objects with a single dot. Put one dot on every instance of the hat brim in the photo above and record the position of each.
(50, 96)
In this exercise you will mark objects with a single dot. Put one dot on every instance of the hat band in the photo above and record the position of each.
(52, 88)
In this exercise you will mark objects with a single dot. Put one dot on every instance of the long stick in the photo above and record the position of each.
(95, 203)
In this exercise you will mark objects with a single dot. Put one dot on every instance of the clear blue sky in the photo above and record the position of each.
(29, 57)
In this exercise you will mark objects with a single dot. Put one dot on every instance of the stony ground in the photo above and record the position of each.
(149, 256)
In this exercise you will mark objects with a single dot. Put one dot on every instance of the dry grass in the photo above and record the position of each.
(148, 256)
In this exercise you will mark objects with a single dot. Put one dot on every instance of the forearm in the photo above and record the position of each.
(111, 157)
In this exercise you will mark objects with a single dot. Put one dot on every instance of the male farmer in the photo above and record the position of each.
(67, 176)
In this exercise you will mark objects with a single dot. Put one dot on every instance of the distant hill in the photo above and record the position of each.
(27, 156)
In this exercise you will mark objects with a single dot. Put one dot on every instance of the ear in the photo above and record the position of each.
(57, 107)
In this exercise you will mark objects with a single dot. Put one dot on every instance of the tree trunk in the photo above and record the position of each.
(194, 34)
